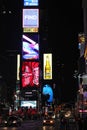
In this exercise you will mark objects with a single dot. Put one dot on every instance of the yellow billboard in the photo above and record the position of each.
(47, 66)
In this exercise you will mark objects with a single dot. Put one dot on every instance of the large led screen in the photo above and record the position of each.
(29, 104)
(30, 47)
(30, 20)
(31, 3)
(30, 74)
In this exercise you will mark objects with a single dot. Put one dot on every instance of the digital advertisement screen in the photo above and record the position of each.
(29, 104)
(30, 20)
(30, 47)
(47, 89)
(47, 66)
(31, 3)
(30, 74)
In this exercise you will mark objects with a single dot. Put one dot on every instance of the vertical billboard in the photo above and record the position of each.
(30, 46)
(30, 21)
(47, 89)
(18, 67)
(47, 66)
(30, 74)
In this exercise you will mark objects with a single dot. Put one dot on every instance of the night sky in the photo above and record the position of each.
(59, 35)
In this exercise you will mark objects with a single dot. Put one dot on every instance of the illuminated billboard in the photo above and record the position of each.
(30, 46)
(25, 103)
(47, 66)
(47, 89)
(30, 74)
(18, 67)
(30, 21)
(31, 3)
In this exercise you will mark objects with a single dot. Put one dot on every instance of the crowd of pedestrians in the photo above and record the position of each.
(26, 113)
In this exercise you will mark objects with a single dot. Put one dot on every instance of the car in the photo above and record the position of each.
(12, 121)
(47, 120)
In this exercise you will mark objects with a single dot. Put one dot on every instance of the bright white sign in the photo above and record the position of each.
(30, 18)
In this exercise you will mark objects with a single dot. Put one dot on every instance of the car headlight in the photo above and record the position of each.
(14, 121)
(5, 122)
(51, 121)
(44, 121)
(53, 116)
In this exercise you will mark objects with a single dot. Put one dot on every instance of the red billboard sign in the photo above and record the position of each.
(30, 74)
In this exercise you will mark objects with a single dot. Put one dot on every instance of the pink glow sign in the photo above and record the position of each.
(30, 74)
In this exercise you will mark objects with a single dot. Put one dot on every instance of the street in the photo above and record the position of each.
(37, 125)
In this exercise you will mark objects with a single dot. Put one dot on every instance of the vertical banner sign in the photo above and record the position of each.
(18, 67)
(47, 66)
